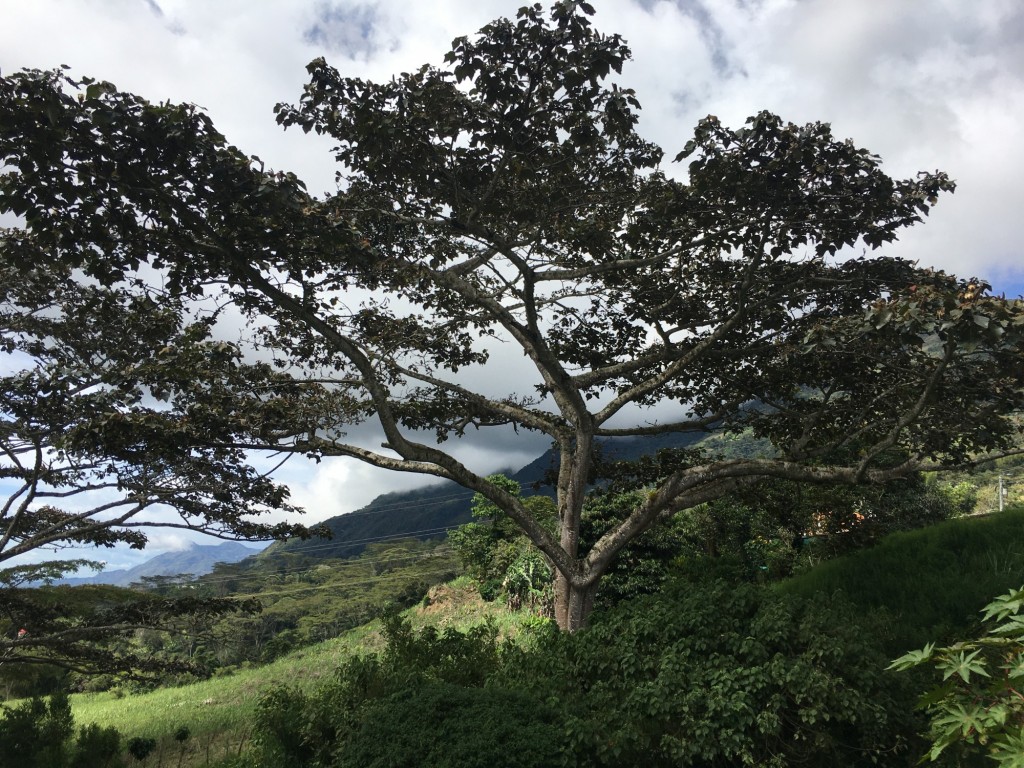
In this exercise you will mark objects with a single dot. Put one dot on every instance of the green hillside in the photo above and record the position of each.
(924, 585)
(930, 583)
(218, 712)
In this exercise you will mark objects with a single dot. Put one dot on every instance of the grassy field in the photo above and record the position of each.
(218, 712)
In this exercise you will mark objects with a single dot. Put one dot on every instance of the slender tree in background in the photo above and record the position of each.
(507, 196)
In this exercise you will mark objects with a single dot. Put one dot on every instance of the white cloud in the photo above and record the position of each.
(169, 541)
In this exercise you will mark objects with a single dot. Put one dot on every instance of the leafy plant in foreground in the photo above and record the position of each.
(423, 701)
(979, 706)
(718, 674)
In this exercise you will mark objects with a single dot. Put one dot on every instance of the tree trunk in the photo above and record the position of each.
(573, 604)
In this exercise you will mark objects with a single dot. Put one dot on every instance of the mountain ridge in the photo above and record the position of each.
(196, 560)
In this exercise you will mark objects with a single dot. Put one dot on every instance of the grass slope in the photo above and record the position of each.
(218, 712)
(931, 583)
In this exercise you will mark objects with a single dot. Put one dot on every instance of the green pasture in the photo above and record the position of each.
(218, 712)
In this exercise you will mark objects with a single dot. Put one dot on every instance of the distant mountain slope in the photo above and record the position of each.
(432, 511)
(197, 560)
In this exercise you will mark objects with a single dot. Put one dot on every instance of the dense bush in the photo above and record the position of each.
(447, 726)
(496, 552)
(776, 528)
(645, 563)
(38, 733)
(715, 675)
(35, 733)
(719, 675)
(931, 582)
(421, 702)
(97, 747)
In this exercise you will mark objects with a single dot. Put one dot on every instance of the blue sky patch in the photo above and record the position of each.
(344, 29)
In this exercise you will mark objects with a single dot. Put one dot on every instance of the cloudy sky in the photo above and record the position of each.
(927, 85)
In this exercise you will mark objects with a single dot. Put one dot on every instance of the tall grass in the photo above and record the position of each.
(931, 583)
(216, 712)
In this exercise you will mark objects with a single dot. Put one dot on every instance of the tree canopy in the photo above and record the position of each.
(507, 196)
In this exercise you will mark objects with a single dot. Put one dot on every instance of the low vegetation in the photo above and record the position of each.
(930, 583)
(773, 674)
(978, 707)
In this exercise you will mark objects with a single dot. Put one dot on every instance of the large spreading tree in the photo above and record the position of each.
(506, 197)
(95, 452)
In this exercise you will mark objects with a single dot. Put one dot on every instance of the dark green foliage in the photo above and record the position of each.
(35, 733)
(778, 527)
(495, 551)
(292, 730)
(97, 747)
(712, 675)
(719, 675)
(978, 708)
(40, 733)
(739, 539)
(349, 715)
(22, 681)
(140, 747)
(848, 518)
(447, 726)
(932, 582)
(644, 564)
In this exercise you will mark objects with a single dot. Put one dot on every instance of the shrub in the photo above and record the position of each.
(35, 734)
(695, 676)
(140, 747)
(422, 701)
(719, 675)
(97, 747)
(38, 734)
(448, 726)
(978, 708)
